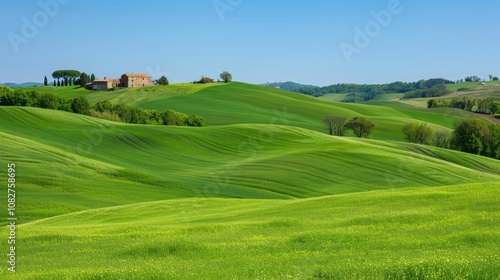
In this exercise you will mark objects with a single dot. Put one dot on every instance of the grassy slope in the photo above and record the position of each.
(238, 103)
(69, 163)
(76, 162)
(436, 233)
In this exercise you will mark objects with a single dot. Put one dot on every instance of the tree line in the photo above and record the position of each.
(435, 91)
(477, 105)
(79, 105)
(128, 114)
(471, 135)
(474, 136)
(366, 92)
(103, 110)
(65, 78)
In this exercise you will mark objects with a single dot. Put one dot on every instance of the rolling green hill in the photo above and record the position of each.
(260, 193)
(429, 233)
(239, 103)
(84, 161)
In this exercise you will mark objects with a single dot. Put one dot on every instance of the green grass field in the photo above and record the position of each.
(239, 103)
(430, 233)
(261, 193)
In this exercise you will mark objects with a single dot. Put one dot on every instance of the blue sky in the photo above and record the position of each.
(257, 41)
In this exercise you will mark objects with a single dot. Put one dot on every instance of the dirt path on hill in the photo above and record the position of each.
(489, 118)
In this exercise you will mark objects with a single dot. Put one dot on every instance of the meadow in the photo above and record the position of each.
(261, 193)
(240, 103)
(430, 233)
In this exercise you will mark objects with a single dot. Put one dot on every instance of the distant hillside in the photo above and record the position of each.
(367, 92)
(291, 86)
(27, 84)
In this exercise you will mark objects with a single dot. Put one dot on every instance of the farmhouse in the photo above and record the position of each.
(126, 81)
(136, 80)
(104, 84)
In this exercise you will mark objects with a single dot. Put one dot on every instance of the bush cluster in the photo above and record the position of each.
(128, 114)
(103, 110)
(471, 135)
(79, 105)
(484, 106)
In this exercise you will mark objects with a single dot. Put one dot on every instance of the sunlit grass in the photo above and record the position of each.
(430, 233)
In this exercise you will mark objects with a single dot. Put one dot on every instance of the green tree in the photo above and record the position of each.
(442, 138)
(195, 120)
(361, 126)
(418, 133)
(171, 117)
(424, 134)
(55, 84)
(65, 74)
(92, 77)
(335, 125)
(495, 78)
(45, 81)
(80, 105)
(477, 137)
(226, 77)
(433, 103)
(410, 132)
(84, 79)
(162, 81)
(495, 107)
(58, 83)
(50, 101)
(469, 136)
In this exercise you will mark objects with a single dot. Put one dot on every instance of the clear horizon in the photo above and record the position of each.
(316, 42)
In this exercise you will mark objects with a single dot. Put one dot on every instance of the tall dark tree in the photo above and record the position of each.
(92, 77)
(55, 83)
(361, 126)
(84, 79)
(328, 121)
(45, 81)
(472, 79)
(226, 77)
(58, 83)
